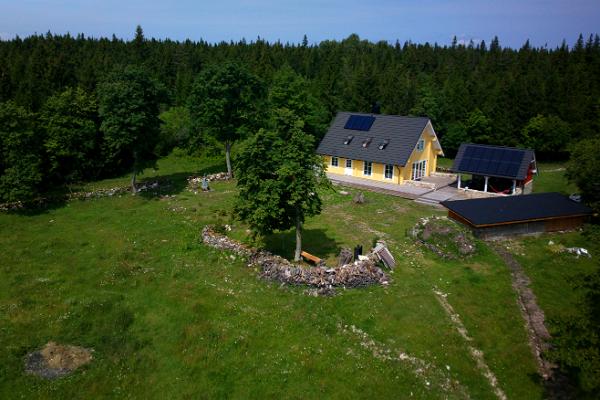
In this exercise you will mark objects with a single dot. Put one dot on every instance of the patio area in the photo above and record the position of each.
(434, 190)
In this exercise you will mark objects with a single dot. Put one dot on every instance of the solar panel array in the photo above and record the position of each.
(359, 122)
(492, 161)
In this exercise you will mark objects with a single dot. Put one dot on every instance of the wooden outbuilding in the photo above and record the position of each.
(518, 215)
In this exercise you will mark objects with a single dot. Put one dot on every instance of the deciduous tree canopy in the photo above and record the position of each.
(129, 107)
(224, 105)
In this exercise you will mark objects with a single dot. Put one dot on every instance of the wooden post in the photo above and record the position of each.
(485, 186)
(514, 186)
(458, 185)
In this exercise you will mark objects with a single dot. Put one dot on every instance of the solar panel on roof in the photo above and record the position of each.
(513, 170)
(359, 122)
(491, 161)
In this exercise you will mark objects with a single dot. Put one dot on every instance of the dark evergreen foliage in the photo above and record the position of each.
(447, 83)
(531, 97)
(20, 154)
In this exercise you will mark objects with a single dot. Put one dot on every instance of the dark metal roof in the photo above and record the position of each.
(497, 161)
(515, 209)
(402, 134)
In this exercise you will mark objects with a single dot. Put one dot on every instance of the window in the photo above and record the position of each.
(348, 163)
(383, 144)
(334, 161)
(389, 171)
(420, 145)
(348, 139)
(367, 168)
(419, 170)
(366, 142)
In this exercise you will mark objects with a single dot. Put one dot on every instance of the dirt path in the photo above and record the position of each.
(476, 354)
(532, 314)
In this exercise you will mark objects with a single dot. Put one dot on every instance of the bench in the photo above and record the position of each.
(310, 257)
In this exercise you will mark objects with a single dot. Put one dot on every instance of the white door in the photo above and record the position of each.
(348, 169)
(418, 169)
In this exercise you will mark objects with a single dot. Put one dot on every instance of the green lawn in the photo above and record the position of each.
(554, 274)
(171, 318)
(551, 178)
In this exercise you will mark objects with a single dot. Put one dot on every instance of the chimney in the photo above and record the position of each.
(376, 108)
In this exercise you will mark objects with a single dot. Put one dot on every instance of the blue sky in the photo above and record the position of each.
(541, 21)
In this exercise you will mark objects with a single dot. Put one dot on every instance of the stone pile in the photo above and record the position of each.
(428, 232)
(195, 182)
(358, 274)
(87, 195)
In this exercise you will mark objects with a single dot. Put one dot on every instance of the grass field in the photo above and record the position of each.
(168, 317)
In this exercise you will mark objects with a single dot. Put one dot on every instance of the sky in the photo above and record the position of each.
(543, 22)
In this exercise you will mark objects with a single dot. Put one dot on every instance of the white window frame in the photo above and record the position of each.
(367, 168)
(421, 145)
(419, 170)
(348, 163)
(385, 171)
(335, 162)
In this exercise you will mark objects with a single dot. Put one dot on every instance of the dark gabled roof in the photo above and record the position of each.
(515, 209)
(497, 161)
(402, 134)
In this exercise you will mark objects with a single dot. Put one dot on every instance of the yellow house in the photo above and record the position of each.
(385, 148)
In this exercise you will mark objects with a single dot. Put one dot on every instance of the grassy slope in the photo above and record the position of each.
(169, 317)
(554, 275)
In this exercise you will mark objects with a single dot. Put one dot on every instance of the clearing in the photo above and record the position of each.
(170, 317)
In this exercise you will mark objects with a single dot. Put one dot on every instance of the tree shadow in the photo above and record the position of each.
(314, 241)
(173, 183)
(154, 188)
(559, 387)
(40, 206)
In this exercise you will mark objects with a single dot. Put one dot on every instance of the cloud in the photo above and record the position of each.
(464, 40)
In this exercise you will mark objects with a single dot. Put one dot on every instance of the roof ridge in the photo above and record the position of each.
(383, 115)
(496, 146)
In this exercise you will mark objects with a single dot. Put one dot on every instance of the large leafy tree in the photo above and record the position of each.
(478, 127)
(129, 102)
(223, 105)
(174, 129)
(576, 338)
(278, 176)
(548, 135)
(583, 168)
(20, 151)
(454, 137)
(72, 138)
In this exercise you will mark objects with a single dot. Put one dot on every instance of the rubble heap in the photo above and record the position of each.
(443, 237)
(358, 274)
(195, 182)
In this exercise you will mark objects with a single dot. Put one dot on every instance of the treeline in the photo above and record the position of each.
(537, 97)
(50, 94)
